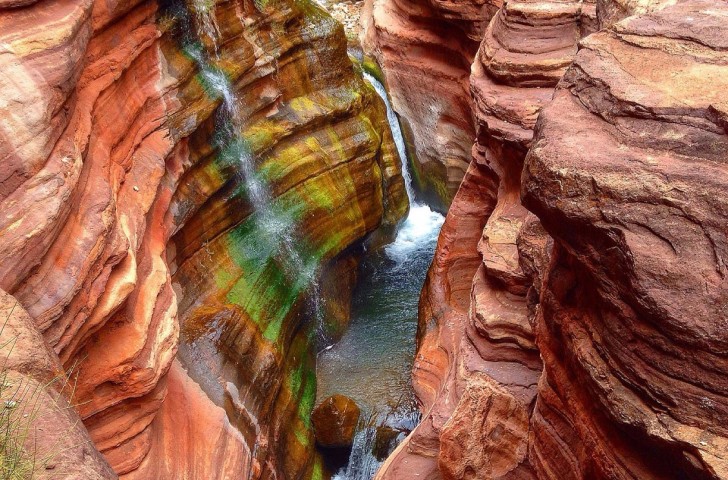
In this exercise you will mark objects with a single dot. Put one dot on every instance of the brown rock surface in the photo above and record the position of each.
(334, 421)
(425, 48)
(37, 416)
(632, 323)
(489, 373)
(610, 12)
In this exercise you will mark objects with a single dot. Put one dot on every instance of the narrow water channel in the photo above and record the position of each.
(372, 362)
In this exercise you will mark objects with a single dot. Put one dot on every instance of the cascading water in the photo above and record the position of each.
(272, 223)
(373, 360)
(396, 133)
(206, 23)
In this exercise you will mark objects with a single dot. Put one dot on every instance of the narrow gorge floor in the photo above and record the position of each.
(372, 362)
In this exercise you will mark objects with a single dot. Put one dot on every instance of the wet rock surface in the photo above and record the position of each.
(426, 49)
(572, 324)
(385, 440)
(138, 243)
(335, 421)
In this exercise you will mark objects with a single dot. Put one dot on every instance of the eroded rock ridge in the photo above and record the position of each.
(573, 320)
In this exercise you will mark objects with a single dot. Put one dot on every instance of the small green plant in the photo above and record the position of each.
(20, 397)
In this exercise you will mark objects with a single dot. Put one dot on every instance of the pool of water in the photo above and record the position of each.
(372, 362)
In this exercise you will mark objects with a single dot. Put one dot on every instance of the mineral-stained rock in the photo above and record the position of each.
(127, 215)
(425, 48)
(334, 421)
(628, 173)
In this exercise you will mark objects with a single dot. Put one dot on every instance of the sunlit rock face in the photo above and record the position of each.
(569, 343)
(612, 11)
(174, 285)
(426, 48)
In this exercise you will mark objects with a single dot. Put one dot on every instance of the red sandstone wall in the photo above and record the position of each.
(582, 341)
(113, 201)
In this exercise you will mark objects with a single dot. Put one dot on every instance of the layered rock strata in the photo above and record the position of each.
(598, 353)
(176, 176)
(42, 434)
(426, 48)
(490, 367)
(632, 321)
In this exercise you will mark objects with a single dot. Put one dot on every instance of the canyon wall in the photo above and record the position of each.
(175, 177)
(425, 48)
(585, 338)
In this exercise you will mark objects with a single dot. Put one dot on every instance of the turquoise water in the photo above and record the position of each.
(372, 362)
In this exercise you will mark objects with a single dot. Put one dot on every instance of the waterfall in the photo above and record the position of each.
(422, 222)
(206, 22)
(383, 326)
(274, 225)
(396, 133)
(414, 242)
(362, 463)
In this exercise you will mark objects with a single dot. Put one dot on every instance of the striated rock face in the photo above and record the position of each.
(174, 177)
(425, 48)
(587, 340)
(632, 323)
(489, 373)
(612, 11)
(41, 432)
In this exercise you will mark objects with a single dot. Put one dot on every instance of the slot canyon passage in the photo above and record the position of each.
(391, 239)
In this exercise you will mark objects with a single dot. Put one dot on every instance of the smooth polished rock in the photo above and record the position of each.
(335, 420)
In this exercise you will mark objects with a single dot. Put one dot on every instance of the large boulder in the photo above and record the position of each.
(335, 420)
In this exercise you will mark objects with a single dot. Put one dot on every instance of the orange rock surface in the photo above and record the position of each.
(42, 434)
(632, 308)
(127, 227)
(425, 48)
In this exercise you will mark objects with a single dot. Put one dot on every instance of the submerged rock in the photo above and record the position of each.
(335, 420)
(384, 442)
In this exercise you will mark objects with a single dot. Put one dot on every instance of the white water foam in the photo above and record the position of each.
(422, 224)
(418, 232)
(274, 224)
(411, 252)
